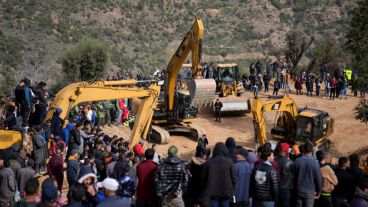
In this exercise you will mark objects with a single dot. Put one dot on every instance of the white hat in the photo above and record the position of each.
(109, 184)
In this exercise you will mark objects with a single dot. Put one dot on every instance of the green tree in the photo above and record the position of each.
(357, 36)
(361, 110)
(296, 45)
(85, 61)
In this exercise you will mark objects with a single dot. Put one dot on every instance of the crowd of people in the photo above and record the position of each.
(336, 85)
(81, 166)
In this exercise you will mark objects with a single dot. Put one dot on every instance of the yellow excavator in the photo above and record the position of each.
(178, 108)
(292, 125)
(230, 89)
(76, 93)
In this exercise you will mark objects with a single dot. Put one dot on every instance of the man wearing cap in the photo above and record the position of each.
(171, 179)
(287, 171)
(25, 174)
(110, 186)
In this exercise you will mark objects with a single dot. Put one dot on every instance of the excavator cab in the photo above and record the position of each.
(313, 125)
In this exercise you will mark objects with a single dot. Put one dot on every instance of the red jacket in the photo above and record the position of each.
(146, 189)
(139, 150)
(333, 83)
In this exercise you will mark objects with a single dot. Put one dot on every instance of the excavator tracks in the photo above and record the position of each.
(160, 135)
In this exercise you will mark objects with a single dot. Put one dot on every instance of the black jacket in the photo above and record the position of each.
(264, 182)
(219, 175)
(287, 172)
(171, 177)
(74, 139)
(345, 188)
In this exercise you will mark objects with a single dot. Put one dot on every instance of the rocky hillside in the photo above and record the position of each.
(142, 34)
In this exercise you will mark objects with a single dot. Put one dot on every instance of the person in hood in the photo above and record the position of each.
(231, 145)
(56, 123)
(195, 193)
(219, 176)
(88, 179)
(171, 179)
(361, 195)
(65, 133)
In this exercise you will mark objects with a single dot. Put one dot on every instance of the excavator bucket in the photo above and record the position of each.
(235, 105)
(202, 92)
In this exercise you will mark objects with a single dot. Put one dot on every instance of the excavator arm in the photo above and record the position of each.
(76, 93)
(286, 105)
(191, 43)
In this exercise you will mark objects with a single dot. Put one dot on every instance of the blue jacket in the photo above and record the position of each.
(65, 133)
(308, 175)
(115, 201)
(127, 187)
(243, 172)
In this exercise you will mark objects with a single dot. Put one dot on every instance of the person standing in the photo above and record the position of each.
(308, 178)
(287, 172)
(361, 195)
(72, 169)
(146, 193)
(219, 177)
(218, 106)
(7, 184)
(333, 88)
(75, 140)
(26, 102)
(31, 194)
(55, 168)
(202, 142)
(110, 187)
(318, 86)
(298, 86)
(23, 175)
(38, 148)
(344, 190)
(171, 179)
(276, 87)
(264, 181)
(329, 181)
(327, 86)
(344, 87)
(243, 172)
(266, 80)
(195, 195)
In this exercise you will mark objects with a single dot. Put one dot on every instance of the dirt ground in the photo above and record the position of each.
(350, 135)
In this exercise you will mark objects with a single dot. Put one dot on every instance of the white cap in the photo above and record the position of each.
(109, 184)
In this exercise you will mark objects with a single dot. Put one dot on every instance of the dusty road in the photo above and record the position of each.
(349, 135)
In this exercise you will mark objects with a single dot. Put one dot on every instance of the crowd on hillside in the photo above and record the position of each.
(336, 85)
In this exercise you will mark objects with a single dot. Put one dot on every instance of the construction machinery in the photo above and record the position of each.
(230, 89)
(147, 91)
(178, 108)
(292, 125)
